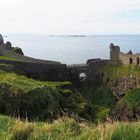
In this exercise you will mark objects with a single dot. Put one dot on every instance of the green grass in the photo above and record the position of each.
(100, 97)
(115, 78)
(128, 107)
(66, 129)
(39, 101)
(27, 84)
(10, 68)
(23, 96)
(116, 72)
(133, 96)
(7, 58)
(120, 78)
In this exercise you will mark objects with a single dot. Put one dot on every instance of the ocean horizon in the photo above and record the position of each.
(73, 49)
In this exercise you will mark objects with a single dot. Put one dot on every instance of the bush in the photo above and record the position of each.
(24, 97)
(17, 50)
(129, 106)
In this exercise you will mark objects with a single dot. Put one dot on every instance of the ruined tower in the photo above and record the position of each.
(1, 40)
(114, 52)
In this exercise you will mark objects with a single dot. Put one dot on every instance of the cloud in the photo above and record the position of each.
(70, 16)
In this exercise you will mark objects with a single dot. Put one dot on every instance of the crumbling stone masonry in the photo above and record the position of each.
(125, 58)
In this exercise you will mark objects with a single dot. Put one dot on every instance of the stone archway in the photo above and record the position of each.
(82, 76)
(137, 61)
(130, 60)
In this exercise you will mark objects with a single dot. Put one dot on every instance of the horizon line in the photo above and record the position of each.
(70, 34)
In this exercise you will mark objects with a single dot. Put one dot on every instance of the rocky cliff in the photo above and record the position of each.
(120, 79)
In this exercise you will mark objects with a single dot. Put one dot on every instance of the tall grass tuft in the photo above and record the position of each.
(67, 129)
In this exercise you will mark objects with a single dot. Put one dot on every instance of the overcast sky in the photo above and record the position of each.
(70, 16)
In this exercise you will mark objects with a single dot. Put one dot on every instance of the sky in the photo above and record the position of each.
(70, 16)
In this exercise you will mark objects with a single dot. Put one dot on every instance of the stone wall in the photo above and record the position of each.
(45, 72)
(127, 59)
(94, 67)
(74, 71)
(91, 69)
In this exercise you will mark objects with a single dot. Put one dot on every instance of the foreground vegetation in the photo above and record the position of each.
(113, 73)
(116, 92)
(25, 97)
(36, 102)
(66, 129)
(124, 81)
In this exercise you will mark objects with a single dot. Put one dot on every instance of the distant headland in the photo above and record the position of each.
(67, 35)
(6, 49)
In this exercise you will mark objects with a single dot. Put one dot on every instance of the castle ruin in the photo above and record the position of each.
(1, 40)
(125, 58)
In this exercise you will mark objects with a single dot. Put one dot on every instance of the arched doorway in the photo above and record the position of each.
(130, 60)
(138, 61)
(82, 76)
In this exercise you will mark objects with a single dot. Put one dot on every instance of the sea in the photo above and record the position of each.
(72, 49)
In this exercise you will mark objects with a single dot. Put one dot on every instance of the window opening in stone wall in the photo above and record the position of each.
(138, 61)
(130, 60)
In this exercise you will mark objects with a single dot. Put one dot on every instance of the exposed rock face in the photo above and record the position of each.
(120, 86)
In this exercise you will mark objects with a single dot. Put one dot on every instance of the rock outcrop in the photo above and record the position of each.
(120, 79)
(121, 86)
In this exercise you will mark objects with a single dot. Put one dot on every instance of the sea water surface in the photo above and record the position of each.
(73, 50)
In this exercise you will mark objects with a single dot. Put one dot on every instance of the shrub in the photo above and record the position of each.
(17, 50)
(129, 106)
(24, 97)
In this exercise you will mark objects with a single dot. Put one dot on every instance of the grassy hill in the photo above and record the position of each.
(7, 58)
(70, 114)
(25, 97)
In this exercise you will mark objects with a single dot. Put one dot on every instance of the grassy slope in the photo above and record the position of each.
(100, 97)
(7, 58)
(66, 129)
(22, 96)
(26, 84)
(133, 97)
(116, 72)
(22, 93)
